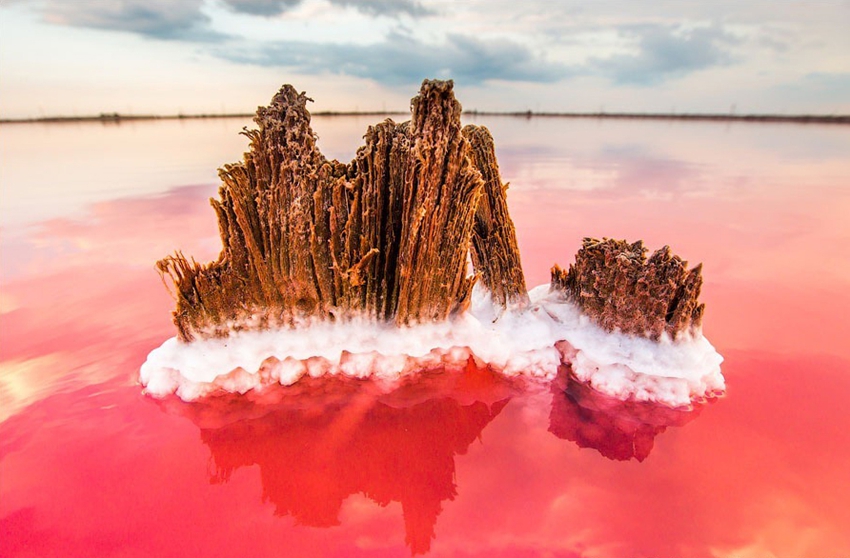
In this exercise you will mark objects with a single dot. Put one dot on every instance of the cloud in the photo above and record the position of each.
(261, 7)
(661, 52)
(386, 7)
(185, 20)
(160, 19)
(391, 8)
(402, 60)
(665, 52)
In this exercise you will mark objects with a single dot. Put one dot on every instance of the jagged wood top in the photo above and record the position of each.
(621, 290)
(386, 236)
(389, 235)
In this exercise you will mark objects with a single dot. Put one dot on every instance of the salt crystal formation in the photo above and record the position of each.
(615, 284)
(389, 236)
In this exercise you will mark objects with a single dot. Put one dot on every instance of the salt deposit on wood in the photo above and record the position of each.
(405, 259)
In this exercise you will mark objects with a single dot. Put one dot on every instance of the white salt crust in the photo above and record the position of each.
(532, 342)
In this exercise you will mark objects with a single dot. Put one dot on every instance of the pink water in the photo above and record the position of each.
(460, 463)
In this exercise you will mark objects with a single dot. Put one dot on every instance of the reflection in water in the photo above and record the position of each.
(346, 439)
(619, 430)
(324, 439)
(80, 304)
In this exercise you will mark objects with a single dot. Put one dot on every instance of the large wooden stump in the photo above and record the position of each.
(387, 236)
(390, 235)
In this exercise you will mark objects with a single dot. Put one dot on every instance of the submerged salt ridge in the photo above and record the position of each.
(532, 342)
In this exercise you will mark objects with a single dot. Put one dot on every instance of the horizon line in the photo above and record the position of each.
(114, 117)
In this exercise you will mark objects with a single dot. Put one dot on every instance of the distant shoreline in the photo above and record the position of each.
(109, 118)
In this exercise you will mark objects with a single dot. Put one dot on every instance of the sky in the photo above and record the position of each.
(85, 57)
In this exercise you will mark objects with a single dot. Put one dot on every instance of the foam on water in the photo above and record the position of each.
(532, 342)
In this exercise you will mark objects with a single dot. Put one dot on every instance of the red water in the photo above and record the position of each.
(459, 463)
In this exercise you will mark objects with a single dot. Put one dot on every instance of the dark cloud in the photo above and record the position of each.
(376, 8)
(665, 52)
(387, 7)
(401, 60)
(261, 7)
(185, 20)
(160, 19)
(661, 52)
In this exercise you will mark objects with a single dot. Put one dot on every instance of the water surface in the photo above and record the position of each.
(460, 463)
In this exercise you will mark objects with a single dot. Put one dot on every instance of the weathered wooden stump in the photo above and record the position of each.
(387, 236)
(621, 290)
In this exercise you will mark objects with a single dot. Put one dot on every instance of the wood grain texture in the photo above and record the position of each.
(387, 236)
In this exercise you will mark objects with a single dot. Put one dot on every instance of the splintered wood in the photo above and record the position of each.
(494, 249)
(390, 235)
(387, 236)
(621, 290)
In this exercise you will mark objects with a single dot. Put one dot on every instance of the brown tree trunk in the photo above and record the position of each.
(387, 236)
